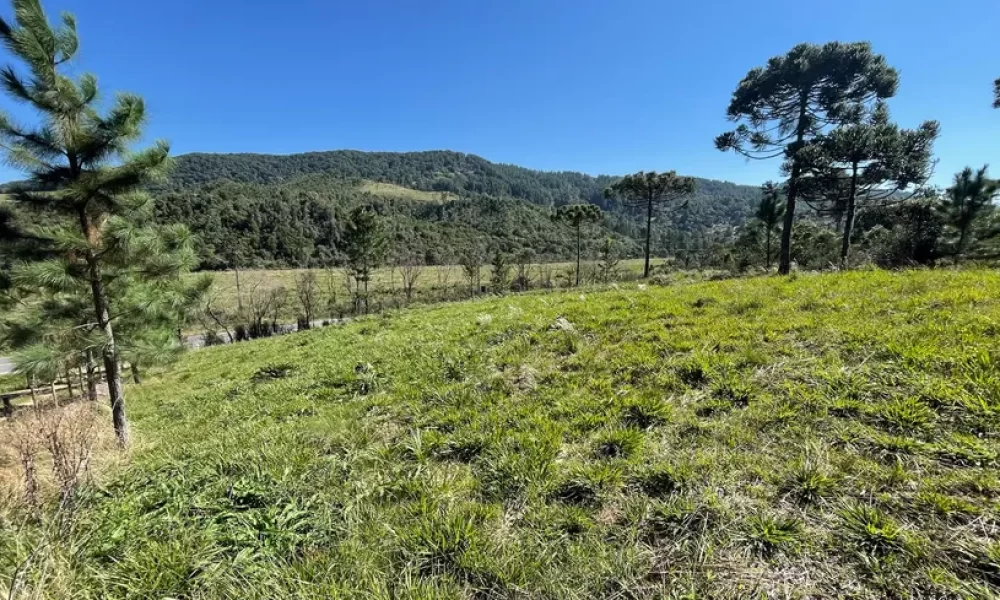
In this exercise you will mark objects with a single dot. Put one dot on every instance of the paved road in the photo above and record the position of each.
(6, 366)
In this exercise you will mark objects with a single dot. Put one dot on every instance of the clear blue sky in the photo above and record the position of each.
(597, 86)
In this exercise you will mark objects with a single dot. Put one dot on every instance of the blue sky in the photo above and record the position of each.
(586, 85)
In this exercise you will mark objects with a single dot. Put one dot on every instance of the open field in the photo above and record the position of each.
(819, 436)
(433, 284)
(389, 190)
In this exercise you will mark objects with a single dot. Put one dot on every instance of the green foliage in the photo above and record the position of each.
(83, 227)
(500, 269)
(787, 104)
(865, 161)
(290, 210)
(969, 199)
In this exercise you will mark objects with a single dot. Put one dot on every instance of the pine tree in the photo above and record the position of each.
(500, 272)
(769, 213)
(86, 182)
(651, 190)
(865, 162)
(366, 247)
(795, 98)
(970, 198)
(576, 216)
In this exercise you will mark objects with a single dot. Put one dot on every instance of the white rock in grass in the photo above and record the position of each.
(563, 324)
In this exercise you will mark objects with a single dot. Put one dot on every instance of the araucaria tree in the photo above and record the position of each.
(366, 247)
(796, 97)
(576, 216)
(769, 213)
(651, 190)
(88, 181)
(865, 162)
(968, 199)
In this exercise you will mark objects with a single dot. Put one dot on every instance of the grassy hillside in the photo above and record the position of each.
(820, 436)
(390, 190)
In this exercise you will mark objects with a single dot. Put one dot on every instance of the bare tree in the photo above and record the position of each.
(443, 273)
(545, 275)
(307, 290)
(212, 318)
(522, 273)
(277, 299)
(411, 269)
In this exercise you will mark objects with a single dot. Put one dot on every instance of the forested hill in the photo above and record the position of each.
(271, 210)
(439, 171)
(276, 211)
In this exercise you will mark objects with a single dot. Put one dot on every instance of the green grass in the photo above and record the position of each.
(11, 382)
(818, 436)
(389, 190)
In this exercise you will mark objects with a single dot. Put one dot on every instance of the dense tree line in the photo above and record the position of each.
(300, 222)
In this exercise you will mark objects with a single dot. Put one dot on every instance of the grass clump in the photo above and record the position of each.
(766, 535)
(645, 412)
(808, 482)
(618, 443)
(663, 480)
(871, 531)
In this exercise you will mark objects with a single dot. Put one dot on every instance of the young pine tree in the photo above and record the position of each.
(969, 199)
(87, 184)
(769, 214)
(366, 247)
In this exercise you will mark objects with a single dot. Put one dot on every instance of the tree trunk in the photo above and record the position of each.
(845, 246)
(91, 377)
(366, 295)
(767, 237)
(69, 382)
(649, 233)
(785, 260)
(110, 354)
(239, 292)
(578, 256)
(8, 407)
(52, 391)
(136, 375)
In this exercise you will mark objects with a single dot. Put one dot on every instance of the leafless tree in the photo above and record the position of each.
(545, 275)
(522, 273)
(443, 274)
(307, 290)
(411, 269)
(212, 317)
